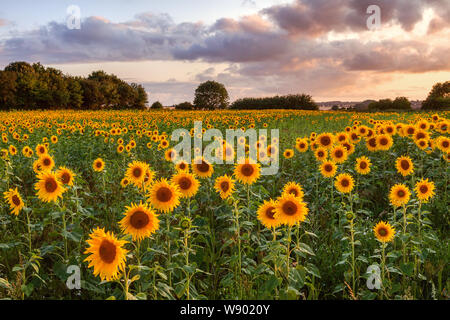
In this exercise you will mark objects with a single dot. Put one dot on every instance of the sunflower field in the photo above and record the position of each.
(357, 210)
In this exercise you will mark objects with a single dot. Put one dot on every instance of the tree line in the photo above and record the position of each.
(33, 86)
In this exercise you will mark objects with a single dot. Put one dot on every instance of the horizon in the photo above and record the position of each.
(255, 48)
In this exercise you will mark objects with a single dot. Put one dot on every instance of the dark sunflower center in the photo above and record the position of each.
(270, 213)
(345, 182)
(339, 153)
(372, 142)
(182, 166)
(325, 141)
(410, 130)
(404, 164)
(420, 135)
(65, 177)
(320, 154)
(107, 251)
(185, 183)
(139, 220)
(203, 167)
(401, 193)
(445, 144)
(137, 172)
(47, 161)
(247, 170)
(225, 186)
(98, 164)
(50, 185)
(15, 199)
(293, 191)
(290, 208)
(328, 168)
(363, 165)
(383, 141)
(164, 194)
(382, 232)
(423, 189)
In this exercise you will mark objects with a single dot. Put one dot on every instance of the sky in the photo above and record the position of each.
(255, 47)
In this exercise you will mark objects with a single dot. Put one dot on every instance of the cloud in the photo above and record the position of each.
(281, 49)
(149, 37)
(312, 18)
(3, 22)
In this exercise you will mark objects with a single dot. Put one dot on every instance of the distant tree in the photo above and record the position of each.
(141, 97)
(438, 98)
(184, 106)
(401, 103)
(335, 108)
(156, 105)
(211, 95)
(297, 101)
(7, 89)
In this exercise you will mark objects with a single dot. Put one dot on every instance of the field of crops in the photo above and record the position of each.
(357, 210)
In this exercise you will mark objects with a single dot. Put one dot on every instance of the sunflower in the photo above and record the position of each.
(124, 182)
(344, 183)
(288, 153)
(182, 166)
(325, 140)
(371, 144)
(424, 189)
(224, 185)
(266, 214)
(384, 142)
(328, 169)
(48, 187)
(170, 155)
(339, 154)
(164, 196)
(247, 172)
(187, 183)
(136, 172)
(41, 149)
(107, 254)
(399, 195)
(294, 189)
(12, 150)
(140, 221)
(65, 175)
(14, 200)
(342, 137)
(362, 165)
(321, 154)
(290, 210)
(384, 232)
(404, 165)
(98, 165)
(443, 144)
(272, 150)
(4, 154)
(46, 162)
(301, 145)
(202, 168)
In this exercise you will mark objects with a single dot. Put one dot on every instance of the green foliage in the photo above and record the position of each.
(184, 106)
(400, 103)
(25, 86)
(438, 98)
(211, 95)
(298, 101)
(156, 105)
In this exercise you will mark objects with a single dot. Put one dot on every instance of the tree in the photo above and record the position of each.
(184, 106)
(211, 95)
(292, 101)
(7, 89)
(401, 103)
(156, 105)
(439, 97)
